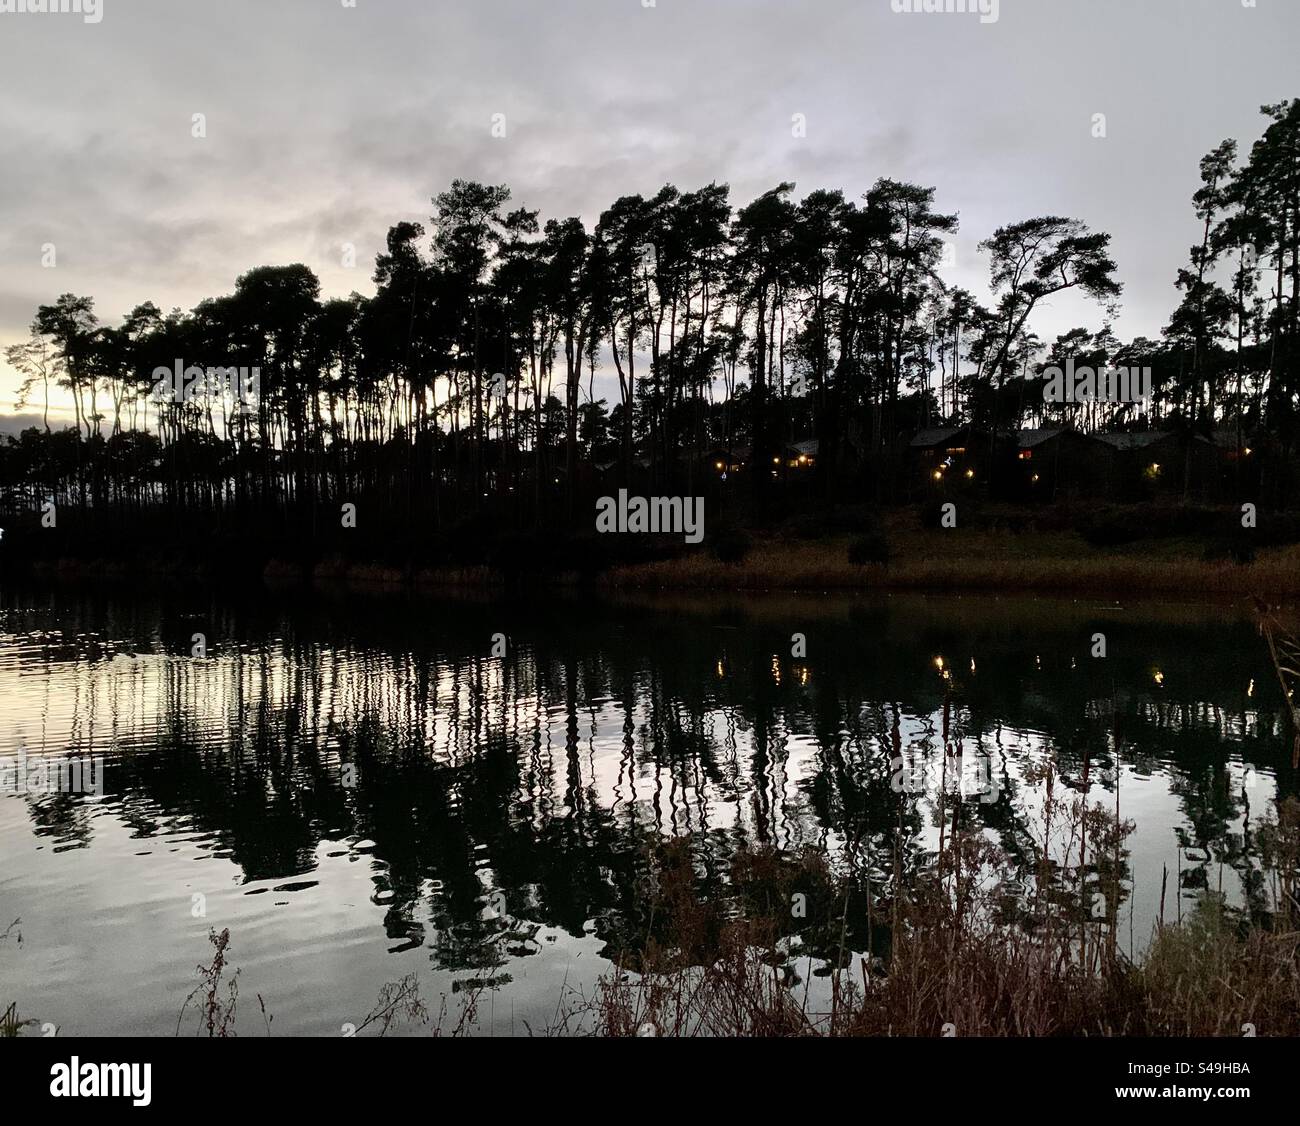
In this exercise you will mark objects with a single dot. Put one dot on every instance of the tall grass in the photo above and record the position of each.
(11, 1024)
(955, 951)
(1056, 562)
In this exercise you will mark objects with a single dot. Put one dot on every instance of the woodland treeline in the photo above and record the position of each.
(464, 390)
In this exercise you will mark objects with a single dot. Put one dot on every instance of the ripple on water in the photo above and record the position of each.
(544, 779)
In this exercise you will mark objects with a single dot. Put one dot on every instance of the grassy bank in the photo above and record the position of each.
(1113, 550)
(1205, 976)
(1116, 551)
(938, 560)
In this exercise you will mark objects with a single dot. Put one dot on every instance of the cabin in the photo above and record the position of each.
(1056, 462)
(801, 457)
(1154, 463)
(609, 469)
(725, 462)
(941, 457)
(1240, 467)
(1232, 443)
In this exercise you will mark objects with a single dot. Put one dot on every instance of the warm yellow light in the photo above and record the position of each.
(938, 663)
(776, 461)
(718, 465)
(1250, 688)
(970, 473)
(721, 671)
(1247, 451)
(938, 474)
(1159, 678)
(1034, 479)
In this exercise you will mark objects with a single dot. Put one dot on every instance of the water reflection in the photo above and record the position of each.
(343, 780)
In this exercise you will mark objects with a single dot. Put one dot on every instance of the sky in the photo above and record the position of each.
(327, 123)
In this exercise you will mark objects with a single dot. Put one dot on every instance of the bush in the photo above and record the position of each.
(1114, 528)
(871, 548)
(1277, 529)
(841, 520)
(1240, 549)
(1113, 525)
(809, 526)
(730, 546)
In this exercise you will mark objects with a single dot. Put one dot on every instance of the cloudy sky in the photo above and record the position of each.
(326, 124)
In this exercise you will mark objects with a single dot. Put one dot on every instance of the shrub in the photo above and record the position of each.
(948, 948)
(1239, 549)
(809, 526)
(870, 548)
(1111, 528)
(841, 520)
(730, 546)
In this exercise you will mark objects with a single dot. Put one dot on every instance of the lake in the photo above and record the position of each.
(362, 787)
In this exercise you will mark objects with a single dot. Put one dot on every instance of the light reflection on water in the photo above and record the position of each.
(346, 782)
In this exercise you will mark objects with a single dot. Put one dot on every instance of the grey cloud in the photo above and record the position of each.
(327, 125)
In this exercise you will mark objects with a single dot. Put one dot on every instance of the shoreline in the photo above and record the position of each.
(923, 562)
(1275, 575)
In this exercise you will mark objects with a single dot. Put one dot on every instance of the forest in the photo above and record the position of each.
(462, 395)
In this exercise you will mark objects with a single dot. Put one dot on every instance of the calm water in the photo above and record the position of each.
(353, 783)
